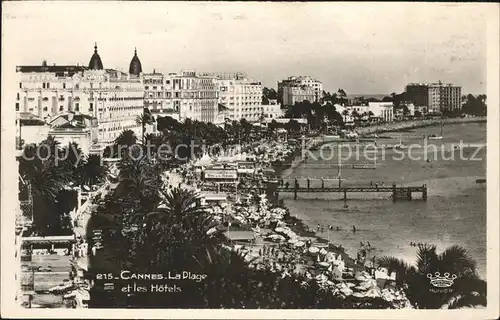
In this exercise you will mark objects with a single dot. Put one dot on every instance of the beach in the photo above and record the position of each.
(455, 212)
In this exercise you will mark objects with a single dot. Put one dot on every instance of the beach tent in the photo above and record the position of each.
(205, 160)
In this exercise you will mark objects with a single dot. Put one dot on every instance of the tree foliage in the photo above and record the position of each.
(468, 289)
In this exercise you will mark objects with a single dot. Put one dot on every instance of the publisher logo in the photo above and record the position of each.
(439, 281)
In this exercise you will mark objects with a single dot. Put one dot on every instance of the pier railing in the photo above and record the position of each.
(397, 193)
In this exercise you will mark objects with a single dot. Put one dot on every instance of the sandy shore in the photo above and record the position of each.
(416, 124)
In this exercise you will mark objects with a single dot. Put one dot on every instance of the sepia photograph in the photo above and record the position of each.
(249, 157)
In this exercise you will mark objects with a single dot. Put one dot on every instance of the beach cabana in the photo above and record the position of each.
(240, 235)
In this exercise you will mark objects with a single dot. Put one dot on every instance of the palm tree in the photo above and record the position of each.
(467, 289)
(92, 172)
(345, 113)
(138, 179)
(126, 138)
(144, 119)
(355, 115)
(342, 94)
(46, 178)
(181, 208)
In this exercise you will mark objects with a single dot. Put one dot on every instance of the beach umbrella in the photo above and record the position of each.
(279, 229)
(276, 237)
(321, 277)
(313, 250)
(362, 276)
(324, 264)
(300, 244)
(330, 256)
(346, 291)
(293, 240)
(373, 293)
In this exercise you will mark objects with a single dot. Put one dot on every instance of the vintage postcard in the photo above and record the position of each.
(250, 160)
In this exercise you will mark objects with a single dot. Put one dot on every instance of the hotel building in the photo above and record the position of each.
(181, 96)
(241, 96)
(112, 97)
(436, 97)
(299, 89)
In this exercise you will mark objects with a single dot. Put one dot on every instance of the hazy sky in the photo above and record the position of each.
(362, 48)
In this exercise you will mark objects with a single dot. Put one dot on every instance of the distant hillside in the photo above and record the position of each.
(367, 95)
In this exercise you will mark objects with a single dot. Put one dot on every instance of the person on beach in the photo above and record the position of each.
(353, 229)
(338, 228)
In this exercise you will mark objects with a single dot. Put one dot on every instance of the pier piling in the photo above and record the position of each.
(394, 196)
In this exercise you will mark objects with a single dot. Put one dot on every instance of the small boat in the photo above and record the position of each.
(400, 145)
(435, 136)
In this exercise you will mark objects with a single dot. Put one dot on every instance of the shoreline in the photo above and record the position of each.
(396, 127)
(300, 227)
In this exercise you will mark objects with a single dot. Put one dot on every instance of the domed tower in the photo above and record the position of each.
(135, 65)
(95, 62)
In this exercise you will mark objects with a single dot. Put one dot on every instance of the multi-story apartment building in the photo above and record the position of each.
(292, 95)
(181, 96)
(113, 97)
(435, 97)
(298, 89)
(241, 96)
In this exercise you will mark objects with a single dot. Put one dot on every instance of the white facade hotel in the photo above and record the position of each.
(241, 96)
(181, 96)
(113, 97)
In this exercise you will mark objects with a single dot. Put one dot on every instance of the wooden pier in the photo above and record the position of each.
(397, 193)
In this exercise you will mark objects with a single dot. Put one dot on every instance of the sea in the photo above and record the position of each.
(454, 213)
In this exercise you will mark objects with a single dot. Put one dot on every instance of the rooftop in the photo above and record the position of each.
(70, 69)
(433, 84)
